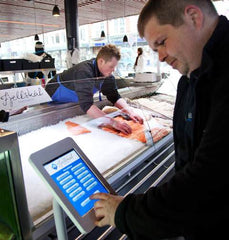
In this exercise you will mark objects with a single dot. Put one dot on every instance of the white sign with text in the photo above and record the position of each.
(16, 98)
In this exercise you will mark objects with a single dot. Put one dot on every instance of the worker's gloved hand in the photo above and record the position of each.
(133, 116)
(4, 116)
(120, 126)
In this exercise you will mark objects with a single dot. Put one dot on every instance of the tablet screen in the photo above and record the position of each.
(75, 179)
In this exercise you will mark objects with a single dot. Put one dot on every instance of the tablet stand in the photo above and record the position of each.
(59, 221)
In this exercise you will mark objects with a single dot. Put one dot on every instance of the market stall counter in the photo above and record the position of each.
(113, 155)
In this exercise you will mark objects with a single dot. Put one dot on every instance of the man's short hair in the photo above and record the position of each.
(170, 11)
(109, 51)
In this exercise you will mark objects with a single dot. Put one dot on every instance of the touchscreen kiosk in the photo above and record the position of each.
(71, 178)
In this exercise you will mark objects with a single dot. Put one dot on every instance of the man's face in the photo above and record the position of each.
(106, 68)
(177, 46)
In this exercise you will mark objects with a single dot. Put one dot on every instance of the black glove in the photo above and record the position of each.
(4, 116)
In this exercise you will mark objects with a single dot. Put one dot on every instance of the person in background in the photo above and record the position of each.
(79, 83)
(72, 57)
(39, 51)
(191, 37)
(139, 64)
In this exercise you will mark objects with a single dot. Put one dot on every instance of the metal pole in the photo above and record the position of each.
(72, 24)
(59, 221)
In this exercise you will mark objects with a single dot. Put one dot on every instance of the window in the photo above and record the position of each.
(57, 38)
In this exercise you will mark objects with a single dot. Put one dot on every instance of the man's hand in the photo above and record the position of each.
(111, 122)
(105, 208)
(134, 116)
(121, 126)
(122, 104)
(18, 111)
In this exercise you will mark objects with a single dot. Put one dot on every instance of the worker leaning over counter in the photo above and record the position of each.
(79, 83)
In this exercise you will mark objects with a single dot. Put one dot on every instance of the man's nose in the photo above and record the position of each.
(162, 54)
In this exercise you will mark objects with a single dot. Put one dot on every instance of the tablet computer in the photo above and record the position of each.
(72, 179)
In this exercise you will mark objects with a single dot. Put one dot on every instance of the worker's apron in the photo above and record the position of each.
(64, 94)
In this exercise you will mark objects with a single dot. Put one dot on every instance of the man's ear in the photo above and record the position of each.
(194, 15)
(100, 61)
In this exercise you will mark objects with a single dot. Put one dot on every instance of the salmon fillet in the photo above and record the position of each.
(158, 133)
(138, 131)
(75, 128)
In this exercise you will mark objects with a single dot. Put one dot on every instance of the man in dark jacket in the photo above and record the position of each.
(79, 83)
(191, 37)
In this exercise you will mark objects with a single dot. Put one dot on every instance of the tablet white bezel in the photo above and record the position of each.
(40, 158)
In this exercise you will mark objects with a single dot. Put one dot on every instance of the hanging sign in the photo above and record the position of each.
(16, 98)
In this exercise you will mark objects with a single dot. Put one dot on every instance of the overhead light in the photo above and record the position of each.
(125, 39)
(36, 37)
(56, 11)
(102, 34)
